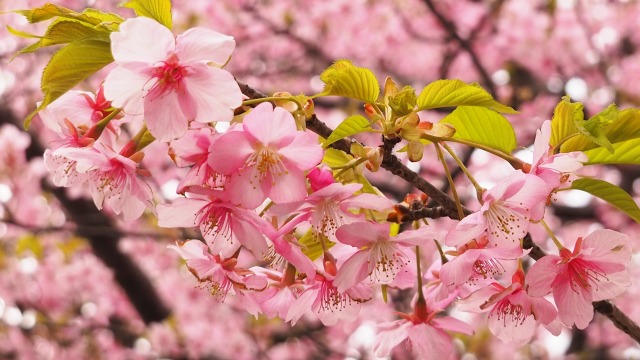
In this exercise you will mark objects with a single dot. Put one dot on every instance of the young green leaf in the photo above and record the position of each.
(565, 116)
(624, 152)
(90, 16)
(482, 126)
(350, 126)
(594, 128)
(344, 79)
(311, 245)
(404, 102)
(159, 10)
(63, 31)
(449, 93)
(625, 126)
(69, 66)
(610, 193)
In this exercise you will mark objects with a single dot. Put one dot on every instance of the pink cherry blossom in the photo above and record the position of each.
(330, 305)
(113, 179)
(423, 332)
(169, 79)
(553, 169)
(513, 315)
(505, 214)
(223, 225)
(380, 256)
(267, 158)
(476, 263)
(194, 150)
(218, 274)
(331, 207)
(595, 270)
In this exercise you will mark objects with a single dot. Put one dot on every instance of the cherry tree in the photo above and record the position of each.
(392, 208)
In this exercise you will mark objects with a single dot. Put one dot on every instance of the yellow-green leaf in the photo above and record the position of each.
(63, 31)
(624, 152)
(69, 66)
(565, 116)
(593, 129)
(159, 10)
(403, 102)
(345, 79)
(449, 93)
(336, 158)
(625, 127)
(482, 126)
(350, 126)
(610, 193)
(89, 16)
(311, 245)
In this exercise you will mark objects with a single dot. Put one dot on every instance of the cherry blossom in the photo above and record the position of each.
(553, 169)
(267, 158)
(224, 225)
(169, 79)
(423, 332)
(595, 270)
(513, 314)
(476, 263)
(505, 214)
(380, 256)
(113, 180)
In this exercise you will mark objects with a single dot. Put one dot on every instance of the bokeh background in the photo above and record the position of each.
(76, 283)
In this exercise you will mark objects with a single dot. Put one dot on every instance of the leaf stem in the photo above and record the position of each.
(454, 192)
(552, 235)
(479, 189)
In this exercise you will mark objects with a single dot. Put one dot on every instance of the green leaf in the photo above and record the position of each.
(90, 16)
(63, 31)
(625, 127)
(565, 116)
(336, 158)
(449, 93)
(350, 126)
(159, 10)
(482, 126)
(610, 193)
(624, 152)
(593, 129)
(69, 66)
(311, 245)
(404, 102)
(344, 79)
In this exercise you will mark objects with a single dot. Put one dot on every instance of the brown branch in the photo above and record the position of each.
(450, 27)
(86, 216)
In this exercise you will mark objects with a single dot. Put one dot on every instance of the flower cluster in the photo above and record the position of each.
(261, 192)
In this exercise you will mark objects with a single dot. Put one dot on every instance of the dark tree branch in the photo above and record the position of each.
(450, 28)
(87, 217)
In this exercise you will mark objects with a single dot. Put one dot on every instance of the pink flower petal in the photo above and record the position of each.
(215, 93)
(269, 126)
(125, 88)
(541, 275)
(361, 234)
(204, 45)
(164, 117)
(131, 43)
(574, 304)
(353, 271)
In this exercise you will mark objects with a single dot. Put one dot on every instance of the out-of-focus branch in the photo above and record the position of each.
(86, 216)
(450, 28)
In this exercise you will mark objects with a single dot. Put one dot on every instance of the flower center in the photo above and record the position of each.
(168, 77)
(388, 260)
(489, 267)
(505, 309)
